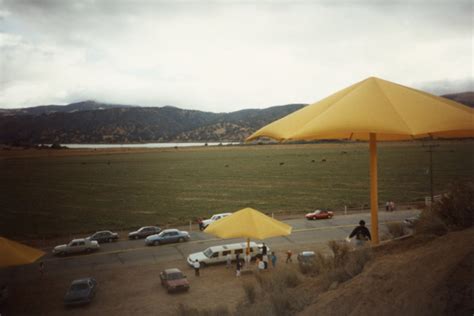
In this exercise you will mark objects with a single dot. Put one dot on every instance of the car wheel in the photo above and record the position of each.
(202, 264)
(181, 239)
(156, 243)
(88, 250)
(109, 240)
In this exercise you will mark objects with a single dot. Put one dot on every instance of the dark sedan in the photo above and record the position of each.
(81, 291)
(144, 232)
(104, 236)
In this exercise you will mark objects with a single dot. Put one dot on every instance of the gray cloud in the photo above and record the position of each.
(225, 55)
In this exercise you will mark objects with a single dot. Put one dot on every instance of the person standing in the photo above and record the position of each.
(264, 249)
(247, 257)
(201, 226)
(361, 233)
(228, 259)
(387, 206)
(238, 268)
(274, 259)
(288, 256)
(196, 266)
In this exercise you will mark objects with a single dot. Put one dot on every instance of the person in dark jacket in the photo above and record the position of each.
(361, 234)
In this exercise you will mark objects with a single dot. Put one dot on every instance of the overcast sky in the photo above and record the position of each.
(224, 56)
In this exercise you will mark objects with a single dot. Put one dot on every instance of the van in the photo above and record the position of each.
(218, 254)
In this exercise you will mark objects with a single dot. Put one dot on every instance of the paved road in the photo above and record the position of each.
(135, 252)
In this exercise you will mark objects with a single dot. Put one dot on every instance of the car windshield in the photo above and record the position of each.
(175, 276)
(317, 212)
(79, 287)
(208, 252)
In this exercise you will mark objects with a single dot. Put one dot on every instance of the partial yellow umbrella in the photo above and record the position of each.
(248, 223)
(374, 109)
(13, 253)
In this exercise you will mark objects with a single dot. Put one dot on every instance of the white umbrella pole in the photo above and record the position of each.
(374, 204)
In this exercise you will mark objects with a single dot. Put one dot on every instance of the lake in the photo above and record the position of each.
(148, 145)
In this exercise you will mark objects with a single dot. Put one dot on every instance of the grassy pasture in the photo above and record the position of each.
(45, 196)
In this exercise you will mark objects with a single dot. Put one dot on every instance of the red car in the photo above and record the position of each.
(318, 214)
(174, 280)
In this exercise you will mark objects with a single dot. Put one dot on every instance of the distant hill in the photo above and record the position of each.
(94, 122)
(466, 98)
(70, 108)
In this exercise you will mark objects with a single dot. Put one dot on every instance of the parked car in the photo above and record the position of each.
(76, 246)
(410, 222)
(104, 236)
(213, 218)
(174, 280)
(318, 214)
(217, 254)
(306, 258)
(144, 232)
(167, 236)
(81, 291)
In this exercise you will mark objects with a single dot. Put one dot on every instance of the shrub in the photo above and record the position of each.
(184, 310)
(430, 224)
(281, 302)
(321, 264)
(262, 307)
(250, 291)
(357, 260)
(456, 208)
(396, 229)
(340, 251)
(289, 277)
(264, 281)
(286, 278)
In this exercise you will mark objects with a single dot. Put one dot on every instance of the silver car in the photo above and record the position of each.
(76, 246)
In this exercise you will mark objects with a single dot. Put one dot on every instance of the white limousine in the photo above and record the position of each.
(217, 254)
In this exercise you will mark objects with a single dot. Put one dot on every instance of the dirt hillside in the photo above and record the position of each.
(416, 276)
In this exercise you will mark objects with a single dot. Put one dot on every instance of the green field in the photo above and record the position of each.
(41, 197)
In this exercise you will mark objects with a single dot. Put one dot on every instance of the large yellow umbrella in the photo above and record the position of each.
(13, 253)
(248, 223)
(374, 109)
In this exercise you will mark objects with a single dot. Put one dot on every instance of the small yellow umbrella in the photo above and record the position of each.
(248, 223)
(13, 253)
(374, 109)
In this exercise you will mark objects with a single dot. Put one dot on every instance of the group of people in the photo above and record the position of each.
(390, 206)
(361, 234)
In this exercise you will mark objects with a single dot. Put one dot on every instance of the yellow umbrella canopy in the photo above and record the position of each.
(248, 223)
(390, 110)
(374, 109)
(13, 253)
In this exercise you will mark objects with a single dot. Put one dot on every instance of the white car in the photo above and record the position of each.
(214, 218)
(76, 246)
(217, 254)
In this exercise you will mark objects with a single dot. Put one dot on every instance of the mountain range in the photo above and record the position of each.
(95, 122)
